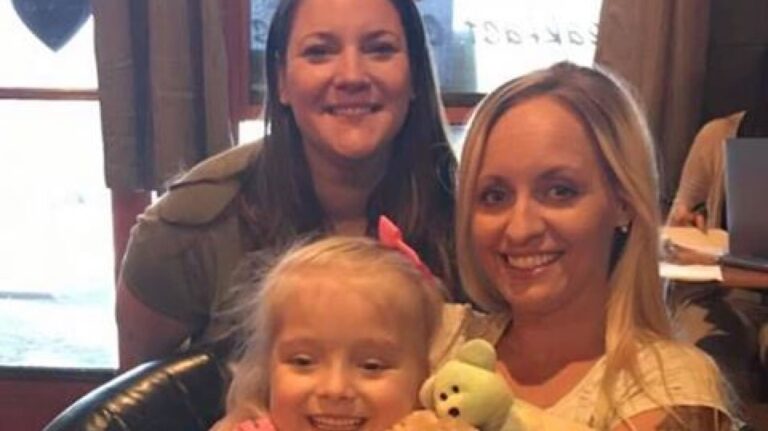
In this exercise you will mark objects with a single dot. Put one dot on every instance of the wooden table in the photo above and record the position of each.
(733, 277)
(744, 278)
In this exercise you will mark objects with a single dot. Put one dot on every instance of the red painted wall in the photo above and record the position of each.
(28, 403)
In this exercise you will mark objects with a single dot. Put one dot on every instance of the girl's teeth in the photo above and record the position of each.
(330, 423)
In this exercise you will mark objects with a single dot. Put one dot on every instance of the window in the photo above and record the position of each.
(492, 41)
(56, 253)
(477, 44)
(480, 43)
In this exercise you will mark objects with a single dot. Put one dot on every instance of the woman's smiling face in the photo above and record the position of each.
(346, 77)
(544, 214)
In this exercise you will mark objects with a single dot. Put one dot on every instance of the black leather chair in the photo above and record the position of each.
(184, 392)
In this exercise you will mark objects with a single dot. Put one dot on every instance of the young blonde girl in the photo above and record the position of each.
(338, 337)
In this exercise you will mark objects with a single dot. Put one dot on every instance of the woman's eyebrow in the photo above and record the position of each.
(383, 33)
(558, 171)
(321, 35)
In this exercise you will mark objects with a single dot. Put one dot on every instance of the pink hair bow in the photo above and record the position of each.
(390, 236)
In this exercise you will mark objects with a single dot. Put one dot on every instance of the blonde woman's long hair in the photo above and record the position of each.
(636, 312)
(272, 287)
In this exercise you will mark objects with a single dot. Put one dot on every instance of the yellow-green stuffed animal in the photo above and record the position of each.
(468, 388)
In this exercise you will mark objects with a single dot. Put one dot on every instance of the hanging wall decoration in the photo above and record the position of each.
(54, 22)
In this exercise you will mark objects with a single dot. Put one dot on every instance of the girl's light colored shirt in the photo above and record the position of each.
(675, 374)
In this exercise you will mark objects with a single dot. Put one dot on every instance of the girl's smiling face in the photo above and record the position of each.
(341, 360)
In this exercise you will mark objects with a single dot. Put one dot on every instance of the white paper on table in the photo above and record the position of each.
(690, 272)
(714, 242)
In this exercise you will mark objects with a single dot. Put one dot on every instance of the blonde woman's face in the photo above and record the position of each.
(544, 215)
(340, 360)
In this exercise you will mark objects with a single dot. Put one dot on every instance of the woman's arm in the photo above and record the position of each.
(699, 176)
(683, 418)
(684, 390)
(143, 333)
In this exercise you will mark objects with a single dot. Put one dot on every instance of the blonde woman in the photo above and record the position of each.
(557, 240)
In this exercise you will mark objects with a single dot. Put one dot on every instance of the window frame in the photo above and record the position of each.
(34, 93)
(89, 375)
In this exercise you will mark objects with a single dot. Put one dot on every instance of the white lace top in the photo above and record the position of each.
(676, 374)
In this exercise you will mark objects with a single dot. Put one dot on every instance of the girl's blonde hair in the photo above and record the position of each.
(636, 312)
(276, 285)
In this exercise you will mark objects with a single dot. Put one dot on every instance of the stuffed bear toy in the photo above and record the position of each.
(469, 389)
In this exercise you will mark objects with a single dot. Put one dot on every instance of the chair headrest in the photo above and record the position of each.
(183, 392)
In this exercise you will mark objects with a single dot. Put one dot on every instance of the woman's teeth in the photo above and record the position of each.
(352, 111)
(531, 261)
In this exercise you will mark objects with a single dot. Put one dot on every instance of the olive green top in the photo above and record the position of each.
(183, 248)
